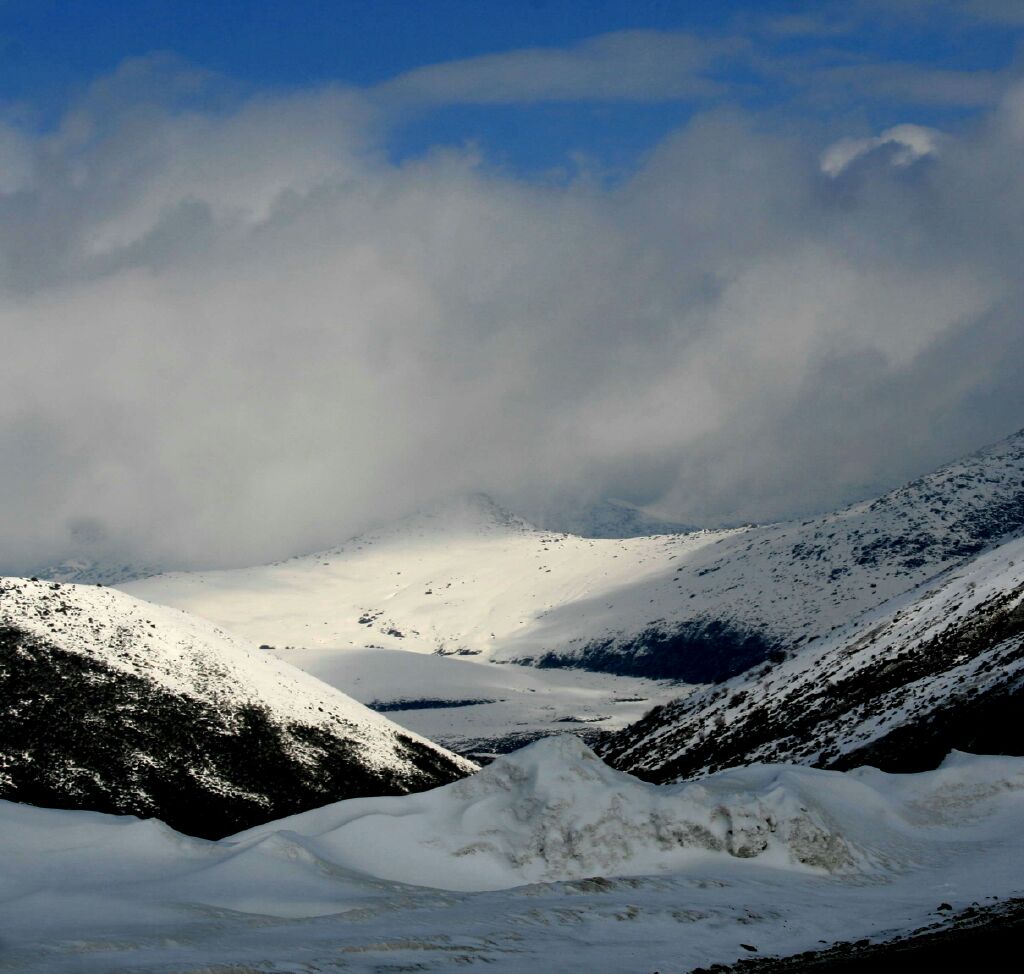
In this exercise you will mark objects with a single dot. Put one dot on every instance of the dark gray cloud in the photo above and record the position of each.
(233, 330)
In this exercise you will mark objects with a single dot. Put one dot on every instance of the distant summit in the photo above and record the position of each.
(472, 514)
(94, 571)
(608, 518)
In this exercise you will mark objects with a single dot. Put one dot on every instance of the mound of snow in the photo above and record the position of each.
(772, 856)
(553, 811)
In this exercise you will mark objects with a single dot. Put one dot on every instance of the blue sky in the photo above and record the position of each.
(867, 64)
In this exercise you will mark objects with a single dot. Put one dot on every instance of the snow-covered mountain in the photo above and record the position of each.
(700, 607)
(933, 670)
(546, 860)
(465, 579)
(112, 704)
(94, 571)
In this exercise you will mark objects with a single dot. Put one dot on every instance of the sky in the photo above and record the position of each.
(272, 272)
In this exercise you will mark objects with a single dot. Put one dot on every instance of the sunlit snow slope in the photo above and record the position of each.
(546, 860)
(466, 579)
(699, 607)
(113, 704)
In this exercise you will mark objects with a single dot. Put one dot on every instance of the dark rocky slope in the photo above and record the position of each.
(941, 671)
(113, 705)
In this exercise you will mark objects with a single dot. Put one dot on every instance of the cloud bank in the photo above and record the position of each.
(233, 329)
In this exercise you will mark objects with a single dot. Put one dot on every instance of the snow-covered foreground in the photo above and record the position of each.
(546, 860)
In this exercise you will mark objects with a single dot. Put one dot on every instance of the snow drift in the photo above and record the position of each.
(554, 811)
(548, 860)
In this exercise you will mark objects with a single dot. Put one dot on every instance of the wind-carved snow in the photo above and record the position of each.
(545, 860)
(471, 579)
(554, 811)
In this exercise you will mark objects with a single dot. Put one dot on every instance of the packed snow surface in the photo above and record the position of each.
(545, 860)
(471, 705)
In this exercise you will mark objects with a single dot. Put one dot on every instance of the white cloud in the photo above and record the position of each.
(635, 65)
(910, 142)
(238, 331)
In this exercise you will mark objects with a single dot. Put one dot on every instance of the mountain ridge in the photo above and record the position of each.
(112, 704)
(698, 607)
(935, 670)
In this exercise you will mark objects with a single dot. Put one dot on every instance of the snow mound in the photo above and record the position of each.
(553, 811)
(94, 894)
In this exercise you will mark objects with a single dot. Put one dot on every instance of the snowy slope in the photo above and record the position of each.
(113, 704)
(619, 875)
(699, 607)
(935, 669)
(465, 579)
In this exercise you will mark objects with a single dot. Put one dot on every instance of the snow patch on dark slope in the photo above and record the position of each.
(698, 607)
(110, 704)
(935, 670)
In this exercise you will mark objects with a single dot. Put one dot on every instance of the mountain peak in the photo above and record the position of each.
(465, 514)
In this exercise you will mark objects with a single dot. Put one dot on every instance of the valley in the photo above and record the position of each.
(736, 744)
